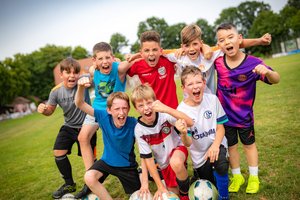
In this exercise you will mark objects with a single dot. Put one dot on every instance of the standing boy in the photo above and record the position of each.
(118, 157)
(64, 95)
(155, 69)
(191, 45)
(237, 74)
(208, 146)
(155, 135)
(108, 76)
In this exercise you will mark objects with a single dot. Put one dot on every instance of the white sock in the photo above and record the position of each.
(236, 171)
(253, 170)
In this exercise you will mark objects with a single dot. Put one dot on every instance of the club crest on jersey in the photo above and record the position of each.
(162, 70)
(207, 114)
(166, 130)
(242, 77)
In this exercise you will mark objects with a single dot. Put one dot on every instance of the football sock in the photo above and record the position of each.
(64, 166)
(253, 170)
(236, 171)
(183, 186)
(222, 182)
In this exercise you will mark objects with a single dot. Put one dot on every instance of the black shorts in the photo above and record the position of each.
(206, 170)
(67, 136)
(246, 135)
(128, 176)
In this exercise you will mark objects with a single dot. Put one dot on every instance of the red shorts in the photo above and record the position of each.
(168, 173)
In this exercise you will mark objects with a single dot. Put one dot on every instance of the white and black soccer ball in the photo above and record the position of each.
(67, 196)
(91, 196)
(203, 190)
(135, 196)
(169, 196)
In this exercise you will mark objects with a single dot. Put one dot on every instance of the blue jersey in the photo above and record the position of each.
(118, 142)
(105, 84)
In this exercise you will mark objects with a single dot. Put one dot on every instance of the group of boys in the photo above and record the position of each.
(164, 129)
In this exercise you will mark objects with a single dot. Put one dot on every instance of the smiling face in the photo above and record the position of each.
(193, 48)
(144, 108)
(194, 88)
(70, 78)
(119, 110)
(229, 41)
(151, 51)
(103, 61)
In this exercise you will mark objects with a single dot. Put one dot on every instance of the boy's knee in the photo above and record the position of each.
(89, 178)
(84, 138)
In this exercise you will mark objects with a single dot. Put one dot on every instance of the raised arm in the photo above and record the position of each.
(79, 97)
(264, 40)
(125, 65)
(272, 76)
(46, 109)
(160, 107)
(182, 128)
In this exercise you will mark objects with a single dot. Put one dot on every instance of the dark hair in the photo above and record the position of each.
(150, 36)
(101, 46)
(69, 63)
(226, 26)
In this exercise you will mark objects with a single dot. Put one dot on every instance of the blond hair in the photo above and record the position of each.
(190, 33)
(190, 70)
(117, 95)
(143, 91)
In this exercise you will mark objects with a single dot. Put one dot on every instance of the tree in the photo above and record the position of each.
(208, 33)
(172, 37)
(79, 53)
(118, 41)
(294, 3)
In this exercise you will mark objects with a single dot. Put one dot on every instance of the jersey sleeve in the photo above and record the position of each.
(53, 98)
(221, 115)
(144, 147)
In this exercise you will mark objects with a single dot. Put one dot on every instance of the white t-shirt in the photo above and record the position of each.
(208, 71)
(159, 139)
(206, 116)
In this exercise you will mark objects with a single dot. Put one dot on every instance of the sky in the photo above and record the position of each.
(28, 25)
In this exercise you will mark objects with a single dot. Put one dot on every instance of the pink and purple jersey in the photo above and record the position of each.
(236, 89)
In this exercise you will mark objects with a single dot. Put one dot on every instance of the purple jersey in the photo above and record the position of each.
(236, 90)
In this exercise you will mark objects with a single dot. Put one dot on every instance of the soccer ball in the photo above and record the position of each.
(91, 196)
(203, 190)
(67, 196)
(135, 196)
(169, 196)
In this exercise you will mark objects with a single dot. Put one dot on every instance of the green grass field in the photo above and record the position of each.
(28, 170)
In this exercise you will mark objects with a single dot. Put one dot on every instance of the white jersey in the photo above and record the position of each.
(208, 71)
(206, 116)
(159, 138)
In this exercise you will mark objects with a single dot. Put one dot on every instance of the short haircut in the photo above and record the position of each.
(190, 70)
(101, 46)
(143, 91)
(117, 95)
(150, 36)
(68, 63)
(226, 26)
(190, 33)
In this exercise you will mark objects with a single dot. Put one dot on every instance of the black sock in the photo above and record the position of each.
(183, 186)
(64, 166)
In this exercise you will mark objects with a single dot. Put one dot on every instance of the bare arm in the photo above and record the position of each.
(264, 40)
(153, 171)
(272, 76)
(182, 128)
(46, 109)
(160, 107)
(144, 179)
(213, 151)
(79, 97)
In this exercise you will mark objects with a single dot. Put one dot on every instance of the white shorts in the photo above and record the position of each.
(90, 120)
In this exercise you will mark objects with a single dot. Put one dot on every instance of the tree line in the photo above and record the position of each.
(32, 74)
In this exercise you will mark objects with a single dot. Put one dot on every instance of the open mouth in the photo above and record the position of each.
(105, 67)
(229, 48)
(151, 61)
(148, 114)
(121, 119)
(197, 94)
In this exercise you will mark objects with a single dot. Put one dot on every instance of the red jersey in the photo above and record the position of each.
(160, 78)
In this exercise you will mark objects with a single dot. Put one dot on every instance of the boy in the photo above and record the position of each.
(208, 146)
(64, 95)
(108, 76)
(155, 134)
(118, 157)
(191, 44)
(155, 69)
(237, 75)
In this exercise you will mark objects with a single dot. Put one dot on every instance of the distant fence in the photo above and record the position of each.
(285, 47)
